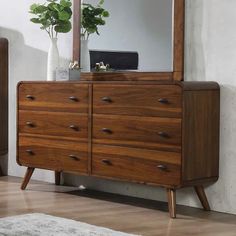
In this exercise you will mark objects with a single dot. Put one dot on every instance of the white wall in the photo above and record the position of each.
(210, 55)
(141, 26)
(28, 60)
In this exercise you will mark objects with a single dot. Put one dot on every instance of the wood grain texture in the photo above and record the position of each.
(109, 162)
(139, 153)
(76, 29)
(127, 76)
(122, 213)
(201, 116)
(199, 85)
(3, 96)
(171, 196)
(162, 134)
(140, 100)
(66, 97)
(57, 177)
(53, 154)
(90, 129)
(146, 132)
(28, 174)
(179, 24)
(202, 197)
(64, 125)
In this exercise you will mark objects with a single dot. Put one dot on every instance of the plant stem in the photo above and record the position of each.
(52, 35)
(48, 33)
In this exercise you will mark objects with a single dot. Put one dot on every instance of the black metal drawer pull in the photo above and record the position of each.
(30, 124)
(74, 127)
(107, 99)
(107, 162)
(107, 131)
(74, 99)
(163, 100)
(30, 97)
(162, 167)
(74, 157)
(30, 152)
(163, 135)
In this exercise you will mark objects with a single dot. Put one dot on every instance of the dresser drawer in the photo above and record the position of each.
(53, 97)
(146, 132)
(53, 154)
(65, 125)
(138, 165)
(138, 100)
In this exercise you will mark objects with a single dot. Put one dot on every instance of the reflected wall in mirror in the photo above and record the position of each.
(137, 35)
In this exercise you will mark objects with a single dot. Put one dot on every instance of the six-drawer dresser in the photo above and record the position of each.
(159, 133)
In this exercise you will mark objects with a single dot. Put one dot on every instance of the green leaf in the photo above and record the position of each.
(57, 7)
(98, 11)
(64, 16)
(63, 27)
(65, 3)
(101, 2)
(92, 17)
(38, 9)
(33, 6)
(35, 20)
(54, 15)
(105, 14)
(51, 6)
(68, 10)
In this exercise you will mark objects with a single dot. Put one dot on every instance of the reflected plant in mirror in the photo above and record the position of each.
(138, 35)
(93, 16)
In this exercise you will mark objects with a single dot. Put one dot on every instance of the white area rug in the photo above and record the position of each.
(46, 225)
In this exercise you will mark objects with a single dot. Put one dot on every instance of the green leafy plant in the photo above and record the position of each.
(92, 18)
(54, 16)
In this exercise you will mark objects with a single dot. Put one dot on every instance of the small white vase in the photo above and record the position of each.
(85, 56)
(53, 60)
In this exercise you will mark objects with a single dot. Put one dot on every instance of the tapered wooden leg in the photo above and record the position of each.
(202, 197)
(171, 194)
(27, 177)
(57, 178)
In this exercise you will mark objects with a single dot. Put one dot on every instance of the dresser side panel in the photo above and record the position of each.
(201, 115)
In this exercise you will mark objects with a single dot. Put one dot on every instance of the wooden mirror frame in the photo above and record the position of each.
(178, 47)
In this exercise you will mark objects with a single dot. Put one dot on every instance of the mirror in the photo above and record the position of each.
(136, 36)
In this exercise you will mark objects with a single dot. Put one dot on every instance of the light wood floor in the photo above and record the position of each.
(143, 217)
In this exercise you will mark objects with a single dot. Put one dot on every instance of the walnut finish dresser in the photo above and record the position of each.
(144, 127)
(159, 133)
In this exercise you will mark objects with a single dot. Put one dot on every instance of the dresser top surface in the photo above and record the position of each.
(185, 85)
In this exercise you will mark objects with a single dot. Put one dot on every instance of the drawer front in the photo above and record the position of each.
(146, 132)
(64, 125)
(53, 97)
(138, 100)
(53, 154)
(138, 165)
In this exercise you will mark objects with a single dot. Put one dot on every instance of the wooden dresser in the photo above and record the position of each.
(3, 96)
(159, 133)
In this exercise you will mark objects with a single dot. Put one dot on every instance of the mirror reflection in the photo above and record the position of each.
(119, 35)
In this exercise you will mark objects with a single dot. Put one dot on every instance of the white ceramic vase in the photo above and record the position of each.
(53, 60)
(85, 56)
